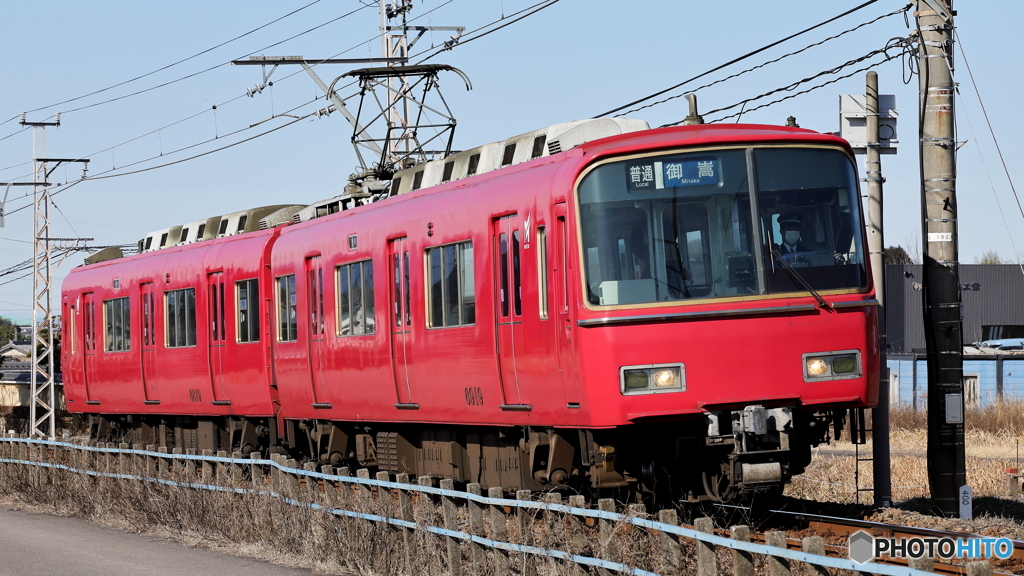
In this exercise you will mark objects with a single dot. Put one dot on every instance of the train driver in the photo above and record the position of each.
(790, 227)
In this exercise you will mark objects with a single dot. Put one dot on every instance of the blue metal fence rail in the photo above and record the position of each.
(650, 525)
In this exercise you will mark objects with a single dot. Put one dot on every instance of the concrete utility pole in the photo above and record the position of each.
(942, 306)
(881, 461)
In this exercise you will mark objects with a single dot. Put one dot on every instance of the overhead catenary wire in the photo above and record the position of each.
(460, 42)
(162, 68)
(739, 59)
(901, 43)
(769, 62)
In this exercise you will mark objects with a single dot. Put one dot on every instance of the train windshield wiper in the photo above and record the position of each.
(798, 279)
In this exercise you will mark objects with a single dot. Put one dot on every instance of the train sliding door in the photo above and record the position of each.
(148, 356)
(400, 321)
(507, 235)
(89, 350)
(316, 328)
(218, 336)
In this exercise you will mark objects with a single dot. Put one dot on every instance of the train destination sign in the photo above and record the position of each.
(658, 175)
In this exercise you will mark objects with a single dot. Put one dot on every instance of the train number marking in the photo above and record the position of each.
(474, 396)
(194, 395)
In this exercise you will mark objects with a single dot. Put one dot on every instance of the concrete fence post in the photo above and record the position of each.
(450, 510)
(707, 562)
(150, 461)
(742, 561)
(499, 532)
(815, 545)
(164, 465)
(526, 518)
(312, 484)
(330, 487)
(405, 513)
(223, 469)
(426, 513)
(577, 536)
(777, 565)
(606, 534)
(237, 473)
(178, 464)
(477, 556)
(671, 551)
(190, 465)
(291, 482)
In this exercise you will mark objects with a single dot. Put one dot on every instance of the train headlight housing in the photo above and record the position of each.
(652, 379)
(840, 365)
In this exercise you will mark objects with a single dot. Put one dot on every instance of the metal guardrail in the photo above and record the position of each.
(285, 487)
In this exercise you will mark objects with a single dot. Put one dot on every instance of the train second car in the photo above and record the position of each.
(681, 312)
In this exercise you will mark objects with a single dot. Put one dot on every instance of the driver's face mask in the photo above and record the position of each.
(791, 237)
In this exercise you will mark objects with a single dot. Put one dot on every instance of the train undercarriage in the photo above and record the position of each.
(727, 456)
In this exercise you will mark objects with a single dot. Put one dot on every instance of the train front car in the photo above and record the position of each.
(728, 319)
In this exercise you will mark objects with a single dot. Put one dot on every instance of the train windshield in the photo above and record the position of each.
(687, 226)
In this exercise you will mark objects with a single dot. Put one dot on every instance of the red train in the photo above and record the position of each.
(633, 312)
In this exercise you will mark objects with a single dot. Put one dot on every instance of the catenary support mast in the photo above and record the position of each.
(882, 476)
(942, 305)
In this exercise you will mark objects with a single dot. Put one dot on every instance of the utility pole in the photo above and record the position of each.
(42, 416)
(880, 458)
(942, 306)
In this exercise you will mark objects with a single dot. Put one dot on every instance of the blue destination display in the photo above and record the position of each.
(691, 173)
(648, 175)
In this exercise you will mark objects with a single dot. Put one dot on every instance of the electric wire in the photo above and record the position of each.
(900, 43)
(981, 156)
(988, 122)
(739, 59)
(759, 66)
(161, 69)
(459, 42)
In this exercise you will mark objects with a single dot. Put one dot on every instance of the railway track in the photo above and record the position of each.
(835, 530)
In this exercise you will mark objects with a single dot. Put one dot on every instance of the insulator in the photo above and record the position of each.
(21, 118)
(57, 115)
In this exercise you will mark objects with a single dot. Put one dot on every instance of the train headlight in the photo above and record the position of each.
(652, 379)
(840, 365)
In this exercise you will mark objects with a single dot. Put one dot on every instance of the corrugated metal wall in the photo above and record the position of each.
(993, 294)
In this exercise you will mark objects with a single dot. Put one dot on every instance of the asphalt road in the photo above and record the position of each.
(44, 544)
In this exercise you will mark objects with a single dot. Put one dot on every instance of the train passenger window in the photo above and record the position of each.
(355, 298)
(538, 146)
(474, 165)
(509, 155)
(542, 270)
(451, 292)
(517, 284)
(180, 317)
(287, 315)
(89, 318)
(247, 296)
(117, 321)
(73, 334)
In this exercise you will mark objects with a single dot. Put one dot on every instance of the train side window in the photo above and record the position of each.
(287, 315)
(451, 293)
(180, 317)
(74, 333)
(88, 317)
(355, 298)
(542, 270)
(247, 307)
(117, 322)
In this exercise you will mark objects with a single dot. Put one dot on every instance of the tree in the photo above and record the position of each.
(991, 257)
(896, 255)
(8, 331)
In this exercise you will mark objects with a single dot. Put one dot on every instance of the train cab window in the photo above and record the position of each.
(355, 299)
(247, 306)
(180, 317)
(542, 270)
(451, 293)
(117, 321)
(287, 314)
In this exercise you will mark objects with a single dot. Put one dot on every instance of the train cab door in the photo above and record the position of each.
(89, 335)
(560, 274)
(148, 356)
(507, 234)
(400, 322)
(218, 335)
(316, 328)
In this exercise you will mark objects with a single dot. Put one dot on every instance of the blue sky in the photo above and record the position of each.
(572, 60)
